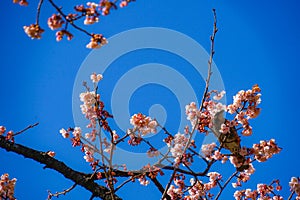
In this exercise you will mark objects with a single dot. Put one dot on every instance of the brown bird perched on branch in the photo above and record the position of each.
(230, 141)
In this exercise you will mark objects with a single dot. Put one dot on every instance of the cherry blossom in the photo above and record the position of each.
(62, 33)
(219, 95)
(295, 186)
(96, 77)
(207, 150)
(21, 2)
(143, 181)
(2, 130)
(51, 153)
(7, 187)
(143, 124)
(97, 41)
(64, 133)
(179, 144)
(34, 31)
(55, 21)
(265, 150)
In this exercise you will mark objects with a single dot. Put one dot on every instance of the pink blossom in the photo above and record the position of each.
(143, 124)
(265, 150)
(123, 4)
(60, 34)
(224, 129)
(214, 176)
(96, 77)
(174, 193)
(207, 150)
(238, 195)
(64, 133)
(55, 21)
(179, 143)
(97, 41)
(295, 185)
(2, 130)
(77, 132)
(89, 20)
(143, 181)
(219, 95)
(34, 31)
(7, 187)
(192, 112)
(51, 153)
(217, 155)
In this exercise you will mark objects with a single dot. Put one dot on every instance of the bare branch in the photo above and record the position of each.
(64, 192)
(25, 129)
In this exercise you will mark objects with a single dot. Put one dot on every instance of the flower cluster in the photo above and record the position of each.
(265, 150)
(34, 31)
(76, 139)
(91, 14)
(9, 134)
(55, 21)
(244, 176)
(203, 118)
(152, 152)
(245, 105)
(7, 187)
(198, 189)
(97, 41)
(143, 124)
(295, 186)
(21, 2)
(89, 153)
(2, 130)
(60, 34)
(263, 192)
(143, 181)
(96, 77)
(208, 149)
(179, 144)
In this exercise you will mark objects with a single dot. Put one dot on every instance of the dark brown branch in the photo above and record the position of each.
(291, 195)
(79, 178)
(159, 186)
(165, 195)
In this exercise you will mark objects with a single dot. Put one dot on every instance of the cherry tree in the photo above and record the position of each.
(178, 166)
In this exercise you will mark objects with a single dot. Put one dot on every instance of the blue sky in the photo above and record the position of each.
(257, 42)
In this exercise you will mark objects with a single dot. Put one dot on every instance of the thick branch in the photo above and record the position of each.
(77, 177)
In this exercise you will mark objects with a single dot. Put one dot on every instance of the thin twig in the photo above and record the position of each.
(168, 185)
(57, 194)
(226, 183)
(212, 53)
(25, 129)
(291, 195)
(38, 11)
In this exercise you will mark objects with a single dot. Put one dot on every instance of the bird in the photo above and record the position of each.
(230, 141)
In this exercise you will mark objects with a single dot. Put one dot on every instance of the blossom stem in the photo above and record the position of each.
(39, 11)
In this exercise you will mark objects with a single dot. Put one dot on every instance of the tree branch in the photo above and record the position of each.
(79, 178)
